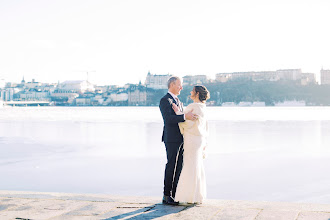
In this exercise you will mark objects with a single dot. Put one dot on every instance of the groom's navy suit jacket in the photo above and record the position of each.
(171, 131)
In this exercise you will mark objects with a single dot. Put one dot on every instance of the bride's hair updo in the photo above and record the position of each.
(203, 93)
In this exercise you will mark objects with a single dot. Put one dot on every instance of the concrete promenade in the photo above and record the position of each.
(35, 205)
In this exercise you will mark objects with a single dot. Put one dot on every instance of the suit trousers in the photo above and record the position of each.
(174, 152)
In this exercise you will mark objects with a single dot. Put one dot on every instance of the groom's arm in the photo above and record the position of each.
(166, 110)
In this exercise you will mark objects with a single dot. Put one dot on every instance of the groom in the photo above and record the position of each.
(172, 138)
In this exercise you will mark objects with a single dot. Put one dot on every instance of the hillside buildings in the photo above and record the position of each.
(84, 93)
(137, 94)
(194, 80)
(154, 81)
(255, 76)
(289, 74)
(7, 94)
(325, 77)
(307, 78)
(31, 91)
(68, 91)
(78, 86)
(282, 74)
(157, 81)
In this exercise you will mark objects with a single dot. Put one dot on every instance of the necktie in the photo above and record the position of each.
(178, 103)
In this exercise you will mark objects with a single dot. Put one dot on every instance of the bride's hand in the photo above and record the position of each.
(175, 107)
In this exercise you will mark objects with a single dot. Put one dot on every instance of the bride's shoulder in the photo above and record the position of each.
(196, 105)
(192, 106)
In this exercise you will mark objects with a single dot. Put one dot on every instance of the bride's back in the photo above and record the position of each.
(198, 127)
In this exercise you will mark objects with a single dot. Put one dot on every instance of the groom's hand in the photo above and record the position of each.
(175, 107)
(191, 116)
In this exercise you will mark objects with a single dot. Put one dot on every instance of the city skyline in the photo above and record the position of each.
(118, 42)
(280, 87)
(263, 75)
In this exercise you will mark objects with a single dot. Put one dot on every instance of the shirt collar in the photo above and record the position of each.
(174, 96)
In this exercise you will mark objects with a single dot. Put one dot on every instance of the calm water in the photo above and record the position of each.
(263, 153)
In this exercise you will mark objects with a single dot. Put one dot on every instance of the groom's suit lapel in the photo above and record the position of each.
(171, 97)
(179, 105)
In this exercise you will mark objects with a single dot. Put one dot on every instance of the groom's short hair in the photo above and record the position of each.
(172, 80)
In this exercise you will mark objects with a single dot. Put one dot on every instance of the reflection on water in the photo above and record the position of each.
(119, 151)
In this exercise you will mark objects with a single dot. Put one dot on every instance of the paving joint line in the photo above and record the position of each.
(258, 213)
(217, 212)
(297, 215)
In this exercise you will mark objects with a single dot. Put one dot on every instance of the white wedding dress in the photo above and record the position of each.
(192, 185)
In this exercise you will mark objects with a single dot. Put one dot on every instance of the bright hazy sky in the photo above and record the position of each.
(121, 40)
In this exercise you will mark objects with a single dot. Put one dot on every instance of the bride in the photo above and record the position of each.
(192, 186)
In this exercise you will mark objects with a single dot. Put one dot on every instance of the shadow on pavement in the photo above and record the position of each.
(152, 212)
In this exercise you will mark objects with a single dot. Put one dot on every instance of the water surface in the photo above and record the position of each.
(254, 153)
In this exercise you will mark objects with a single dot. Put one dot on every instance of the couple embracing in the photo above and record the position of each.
(184, 135)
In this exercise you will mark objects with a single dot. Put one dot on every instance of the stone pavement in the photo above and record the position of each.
(35, 205)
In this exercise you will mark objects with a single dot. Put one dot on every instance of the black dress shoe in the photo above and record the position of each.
(168, 200)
